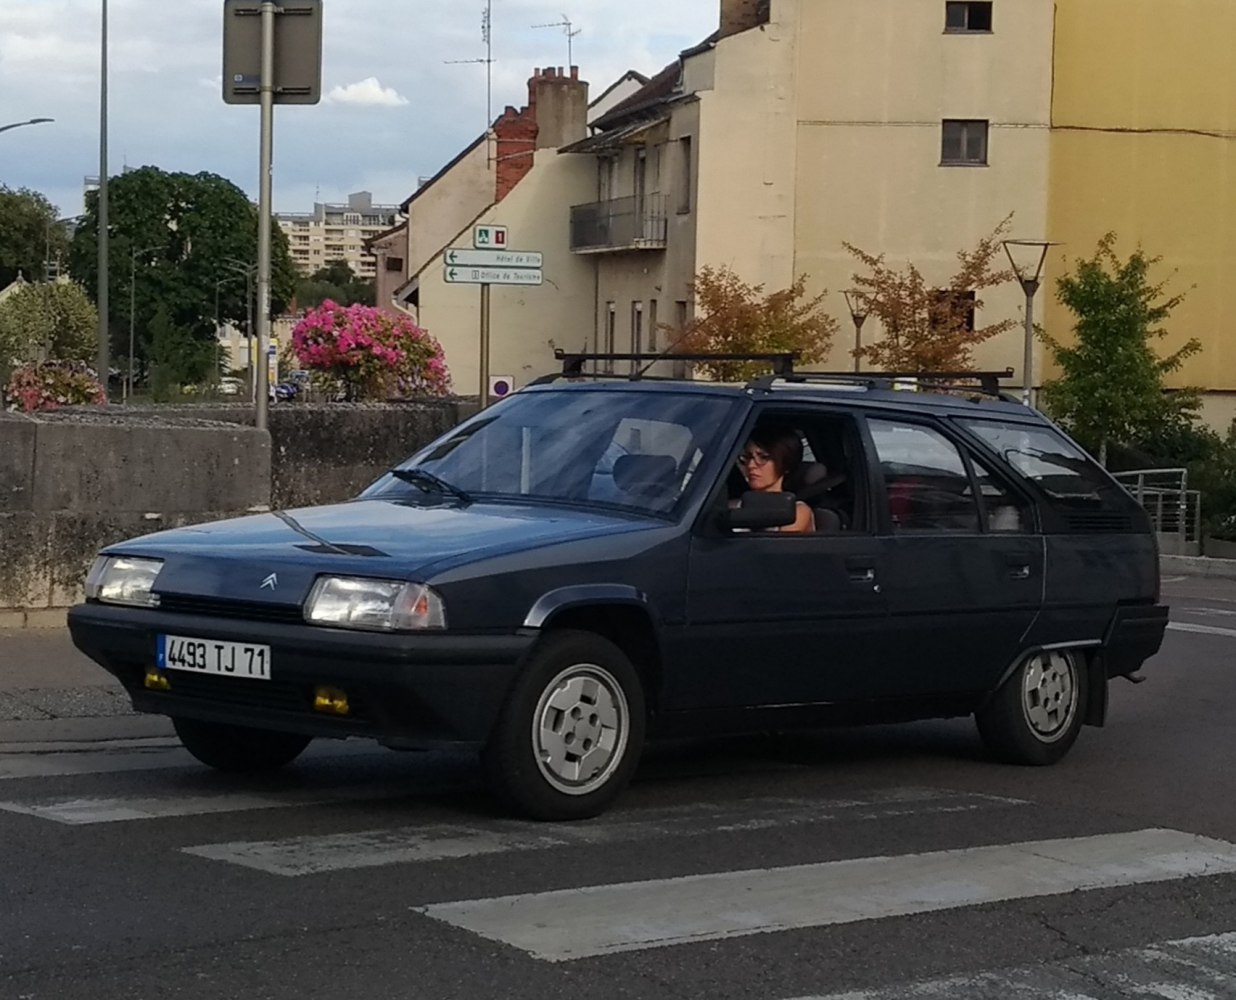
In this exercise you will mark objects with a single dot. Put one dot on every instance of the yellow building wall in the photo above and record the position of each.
(1144, 145)
(875, 81)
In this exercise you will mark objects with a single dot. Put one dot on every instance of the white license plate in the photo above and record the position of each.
(209, 656)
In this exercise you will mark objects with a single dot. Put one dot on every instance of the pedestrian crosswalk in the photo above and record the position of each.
(599, 913)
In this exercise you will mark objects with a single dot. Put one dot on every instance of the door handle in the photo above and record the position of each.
(862, 575)
(1019, 571)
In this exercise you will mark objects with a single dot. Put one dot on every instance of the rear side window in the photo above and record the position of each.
(1083, 492)
(925, 477)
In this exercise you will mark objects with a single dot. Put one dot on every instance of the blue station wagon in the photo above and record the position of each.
(589, 564)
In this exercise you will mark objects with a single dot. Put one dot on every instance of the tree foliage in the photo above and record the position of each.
(53, 321)
(336, 282)
(177, 358)
(28, 231)
(733, 317)
(176, 242)
(1111, 385)
(929, 327)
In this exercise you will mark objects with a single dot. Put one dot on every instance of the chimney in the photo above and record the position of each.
(514, 149)
(743, 15)
(559, 102)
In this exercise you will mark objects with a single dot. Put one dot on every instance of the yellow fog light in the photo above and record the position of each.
(331, 700)
(156, 681)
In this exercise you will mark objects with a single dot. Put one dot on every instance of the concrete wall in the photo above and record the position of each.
(72, 482)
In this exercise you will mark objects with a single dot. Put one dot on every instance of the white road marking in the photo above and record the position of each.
(1201, 629)
(1208, 612)
(1201, 968)
(600, 920)
(313, 855)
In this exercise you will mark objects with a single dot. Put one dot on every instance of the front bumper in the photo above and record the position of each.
(407, 691)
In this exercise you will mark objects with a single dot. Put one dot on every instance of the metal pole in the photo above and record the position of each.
(132, 309)
(484, 393)
(261, 401)
(858, 342)
(1030, 287)
(103, 360)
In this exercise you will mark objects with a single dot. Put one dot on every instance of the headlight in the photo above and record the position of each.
(124, 580)
(374, 605)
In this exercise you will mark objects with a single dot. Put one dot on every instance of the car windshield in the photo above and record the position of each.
(637, 451)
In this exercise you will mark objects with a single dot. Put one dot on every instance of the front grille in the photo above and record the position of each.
(219, 607)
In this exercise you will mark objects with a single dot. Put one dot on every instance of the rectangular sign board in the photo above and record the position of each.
(487, 237)
(492, 276)
(494, 258)
(298, 52)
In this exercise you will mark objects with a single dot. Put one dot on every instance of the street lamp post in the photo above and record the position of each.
(104, 347)
(133, 252)
(32, 121)
(249, 271)
(859, 304)
(1027, 258)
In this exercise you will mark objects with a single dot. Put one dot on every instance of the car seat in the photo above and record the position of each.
(812, 483)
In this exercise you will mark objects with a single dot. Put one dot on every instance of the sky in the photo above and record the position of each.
(400, 96)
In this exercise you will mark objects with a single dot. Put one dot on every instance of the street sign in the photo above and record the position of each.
(298, 52)
(494, 258)
(501, 385)
(487, 237)
(492, 276)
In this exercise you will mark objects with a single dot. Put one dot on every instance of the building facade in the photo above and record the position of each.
(334, 232)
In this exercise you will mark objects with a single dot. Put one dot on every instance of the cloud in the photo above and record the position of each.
(369, 93)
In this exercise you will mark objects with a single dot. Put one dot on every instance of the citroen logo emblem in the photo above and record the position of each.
(271, 582)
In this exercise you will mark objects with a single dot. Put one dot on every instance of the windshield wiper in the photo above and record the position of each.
(430, 483)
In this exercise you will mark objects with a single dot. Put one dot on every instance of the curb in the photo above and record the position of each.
(1204, 566)
(39, 618)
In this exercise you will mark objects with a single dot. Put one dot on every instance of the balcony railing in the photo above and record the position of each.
(1174, 509)
(619, 224)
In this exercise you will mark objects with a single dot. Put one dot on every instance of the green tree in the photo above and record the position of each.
(1111, 390)
(177, 358)
(28, 232)
(200, 225)
(733, 317)
(337, 282)
(53, 321)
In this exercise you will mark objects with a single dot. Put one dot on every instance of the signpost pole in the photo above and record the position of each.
(484, 346)
(262, 400)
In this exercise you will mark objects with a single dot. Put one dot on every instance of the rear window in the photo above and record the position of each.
(1057, 466)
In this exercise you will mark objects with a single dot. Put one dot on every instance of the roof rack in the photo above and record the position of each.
(988, 382)
(573, 363)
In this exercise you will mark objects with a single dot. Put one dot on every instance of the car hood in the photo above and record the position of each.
(276, 557)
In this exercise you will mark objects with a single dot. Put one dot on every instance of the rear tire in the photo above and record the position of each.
(1036, 715)
(571, 732)
(237, 748)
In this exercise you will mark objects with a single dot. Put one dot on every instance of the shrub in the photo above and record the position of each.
(373, 354)
(49, 385)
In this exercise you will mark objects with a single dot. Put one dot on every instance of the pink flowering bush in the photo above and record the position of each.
(373, 354)
(49, 385)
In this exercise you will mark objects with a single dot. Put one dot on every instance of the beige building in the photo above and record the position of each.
(337, 232)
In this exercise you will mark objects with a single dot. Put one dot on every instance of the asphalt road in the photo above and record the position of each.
(880, 863)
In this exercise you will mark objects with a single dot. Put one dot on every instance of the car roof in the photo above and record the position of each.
(852, 395)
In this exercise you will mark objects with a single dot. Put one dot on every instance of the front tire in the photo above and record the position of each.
(1036, 715)
(570, 734)
(237, 748)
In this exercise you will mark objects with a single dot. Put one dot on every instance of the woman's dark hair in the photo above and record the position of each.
(783, 443)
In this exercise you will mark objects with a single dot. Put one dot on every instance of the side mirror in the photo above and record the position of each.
(760, 511)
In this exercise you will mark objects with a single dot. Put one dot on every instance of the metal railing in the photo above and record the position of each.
(619, 224)
(1174, 509)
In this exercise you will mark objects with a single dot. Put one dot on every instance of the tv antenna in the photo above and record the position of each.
(565, 24)
(487, 36)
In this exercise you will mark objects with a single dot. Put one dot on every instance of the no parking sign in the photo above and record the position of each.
(500, 386)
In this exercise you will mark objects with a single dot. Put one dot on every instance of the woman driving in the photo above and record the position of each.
(773, 452)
